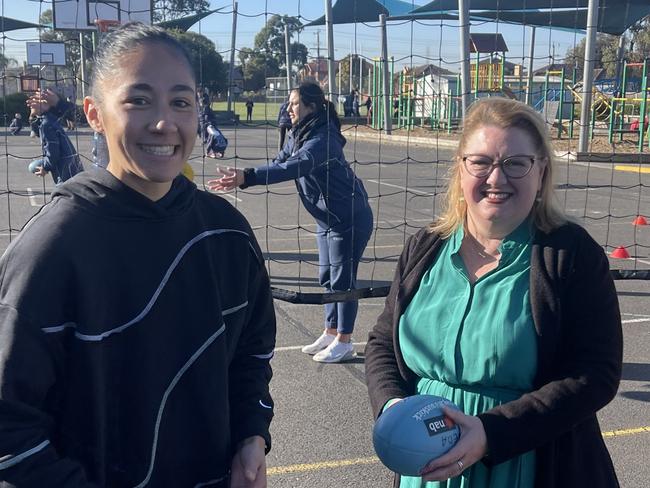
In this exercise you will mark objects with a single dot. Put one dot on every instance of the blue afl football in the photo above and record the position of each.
(413, 432)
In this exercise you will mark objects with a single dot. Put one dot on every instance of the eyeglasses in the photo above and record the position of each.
(513, 167)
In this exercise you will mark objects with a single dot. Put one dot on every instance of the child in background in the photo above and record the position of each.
(214, 141)
(59, 155)
(16, 125)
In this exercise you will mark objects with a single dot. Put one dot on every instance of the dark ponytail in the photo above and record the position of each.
(312, 95)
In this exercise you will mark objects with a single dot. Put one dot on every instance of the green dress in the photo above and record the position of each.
(475, 345)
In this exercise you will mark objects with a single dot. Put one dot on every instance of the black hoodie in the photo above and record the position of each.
(135, 339)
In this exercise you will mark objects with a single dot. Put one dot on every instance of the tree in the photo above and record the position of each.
(271, 40)
(174, 9)
(256, 67)
(606, 55)
(344, 68)
(208, 64)
(575, 56)
(640, 43)
(5, 62)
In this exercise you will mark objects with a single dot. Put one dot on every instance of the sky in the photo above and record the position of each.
(410, 43)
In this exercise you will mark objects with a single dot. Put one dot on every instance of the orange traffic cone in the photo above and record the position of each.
(620, 253)
(640, 220)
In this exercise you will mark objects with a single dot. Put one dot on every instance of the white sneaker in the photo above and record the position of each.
(336, 352)
(319, 344)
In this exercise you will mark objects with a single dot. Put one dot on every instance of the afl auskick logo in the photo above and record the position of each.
(438, 425)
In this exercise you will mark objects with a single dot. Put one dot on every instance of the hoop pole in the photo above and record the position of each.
(231, 68)
(588, 74)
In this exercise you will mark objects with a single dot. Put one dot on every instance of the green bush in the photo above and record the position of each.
(11, 105)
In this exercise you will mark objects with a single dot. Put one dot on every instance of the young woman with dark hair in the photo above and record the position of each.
(333, 195)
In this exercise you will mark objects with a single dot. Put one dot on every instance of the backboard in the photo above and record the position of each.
(81, 14)
(42, 53)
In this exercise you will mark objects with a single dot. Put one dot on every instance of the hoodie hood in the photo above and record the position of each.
(99, 192)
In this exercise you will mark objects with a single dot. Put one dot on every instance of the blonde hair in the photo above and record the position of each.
(503, 113)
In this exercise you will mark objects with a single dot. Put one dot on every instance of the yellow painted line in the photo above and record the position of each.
(621, 432)
(632, 169)
(302, 468)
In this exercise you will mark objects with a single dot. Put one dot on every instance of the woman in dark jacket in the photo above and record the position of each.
(508, 310)
(333, 195)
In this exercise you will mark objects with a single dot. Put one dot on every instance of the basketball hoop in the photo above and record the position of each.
(106, 25)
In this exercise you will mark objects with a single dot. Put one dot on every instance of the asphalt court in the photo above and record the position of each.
(322, 429)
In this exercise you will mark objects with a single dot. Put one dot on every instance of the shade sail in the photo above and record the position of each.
(504, 5)
(7, 24)
(614, 16)
(487, 43)
(351, 11)
(185, 23)
(611, 19)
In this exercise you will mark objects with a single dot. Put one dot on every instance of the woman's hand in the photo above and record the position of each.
(470, 448)
(230, 179)
(40, 171)
(248, 468)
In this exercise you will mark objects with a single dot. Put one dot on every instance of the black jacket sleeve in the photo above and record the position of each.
(28, 370)
(585, 365)
(383, 376)
(251, 405)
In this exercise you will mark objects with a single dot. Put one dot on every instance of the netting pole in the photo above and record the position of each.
(288, 56)
(561, 109)
(231, 70)
(644, 103)
(82, 64)
(588, 74)
(463, 17)
(620, 55)
(388, 119)
(330, 53)
(531, 58)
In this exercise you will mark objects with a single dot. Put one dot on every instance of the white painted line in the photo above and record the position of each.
(403, 188)
(32, 198)
(635, 321)
(298, 348)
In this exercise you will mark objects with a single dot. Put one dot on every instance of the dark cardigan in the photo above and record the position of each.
(579, 345)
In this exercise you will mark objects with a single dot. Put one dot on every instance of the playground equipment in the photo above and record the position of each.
(564, 95)
(377, 91)
(559, 102)
(628, 114)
